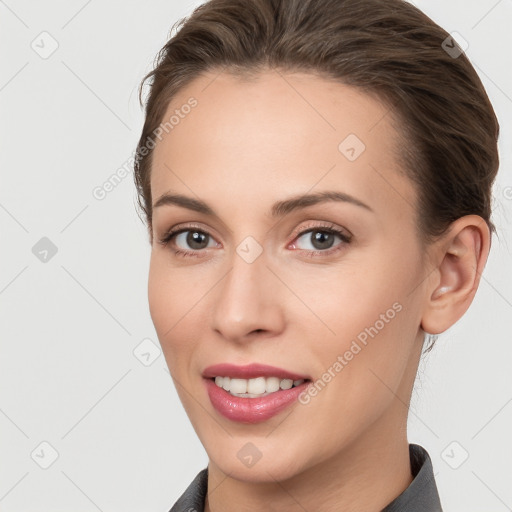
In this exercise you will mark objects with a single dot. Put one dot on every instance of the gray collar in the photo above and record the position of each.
(420, 496)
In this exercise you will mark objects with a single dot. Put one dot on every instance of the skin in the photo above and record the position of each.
(246, 145)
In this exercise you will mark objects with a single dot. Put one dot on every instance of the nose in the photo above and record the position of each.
(248, 301)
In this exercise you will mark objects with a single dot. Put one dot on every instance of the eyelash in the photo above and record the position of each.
(331, 229)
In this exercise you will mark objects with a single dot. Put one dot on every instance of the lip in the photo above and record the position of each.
(250, 371)
(252, 410)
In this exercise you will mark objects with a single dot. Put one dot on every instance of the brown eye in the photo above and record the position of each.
(190, 240)
(194, 239)
(321, 239)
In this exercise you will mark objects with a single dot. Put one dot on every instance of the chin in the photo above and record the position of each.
(256, 459)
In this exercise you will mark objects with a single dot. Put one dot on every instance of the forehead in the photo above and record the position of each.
(278, 134)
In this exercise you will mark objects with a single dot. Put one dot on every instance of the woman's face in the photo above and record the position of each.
(331, 290)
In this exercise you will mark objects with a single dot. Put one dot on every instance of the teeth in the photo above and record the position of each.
(287, 383)
(272, 384)
(238, 386)
(252, 388)
(256, 386)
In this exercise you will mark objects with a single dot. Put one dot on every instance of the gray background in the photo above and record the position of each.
(73, 372)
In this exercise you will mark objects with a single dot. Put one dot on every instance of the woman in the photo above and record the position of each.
(316, 179)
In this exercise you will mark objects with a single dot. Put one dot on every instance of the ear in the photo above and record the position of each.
(461, 255)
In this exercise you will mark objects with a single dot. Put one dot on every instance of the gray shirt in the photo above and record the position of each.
(420, 496)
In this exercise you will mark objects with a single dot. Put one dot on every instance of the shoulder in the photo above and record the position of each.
(194, 496)
(422, 494)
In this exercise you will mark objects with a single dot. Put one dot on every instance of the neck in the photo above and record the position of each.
(367, 475)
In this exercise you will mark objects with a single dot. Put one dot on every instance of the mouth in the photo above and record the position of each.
(251, 371)
(255, 388)
(252, 393)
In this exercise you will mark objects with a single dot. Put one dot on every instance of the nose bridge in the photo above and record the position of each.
(246, 299)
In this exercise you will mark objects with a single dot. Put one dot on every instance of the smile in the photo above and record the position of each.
(255, 388)
(252, 393)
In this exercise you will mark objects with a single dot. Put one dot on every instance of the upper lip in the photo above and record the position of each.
(250, 371)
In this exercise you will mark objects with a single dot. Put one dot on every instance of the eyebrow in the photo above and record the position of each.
(279, 209)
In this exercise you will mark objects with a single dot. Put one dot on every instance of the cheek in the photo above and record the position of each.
(176, 300)
(366, 314)
(159, 298)
(350, 297)
(170, 295)
(167, 306)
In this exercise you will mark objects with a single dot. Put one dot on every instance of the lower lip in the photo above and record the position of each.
(251, 410)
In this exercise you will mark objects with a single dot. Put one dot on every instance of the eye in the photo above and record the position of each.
(188, 238)
(195, 239)
(321, 239)
(191, 241)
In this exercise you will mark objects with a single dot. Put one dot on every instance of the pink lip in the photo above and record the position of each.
(251, 410)
(250, 371)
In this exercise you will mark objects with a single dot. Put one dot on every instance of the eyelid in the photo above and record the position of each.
(319, 225)
(180, 228)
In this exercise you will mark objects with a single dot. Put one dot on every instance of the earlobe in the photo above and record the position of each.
(462, 256)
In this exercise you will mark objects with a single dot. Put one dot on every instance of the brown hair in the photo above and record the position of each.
(386, 48)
